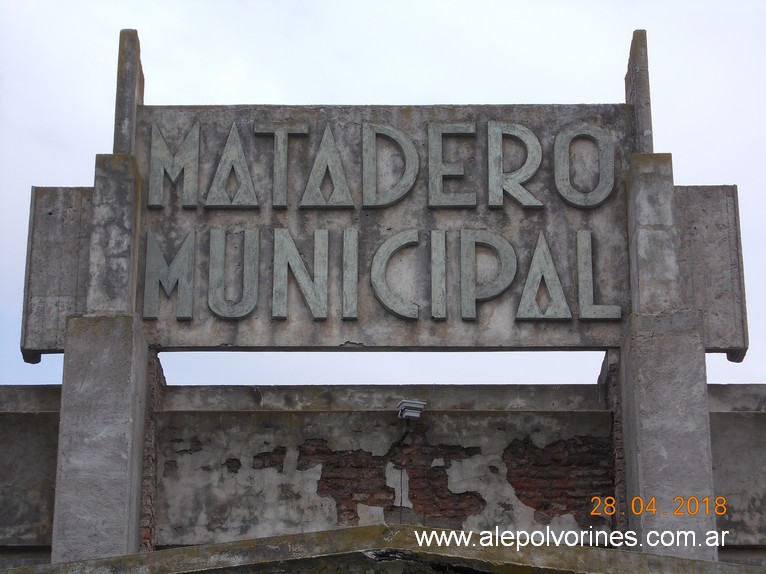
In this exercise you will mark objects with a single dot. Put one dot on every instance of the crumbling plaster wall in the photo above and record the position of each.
(472, 461)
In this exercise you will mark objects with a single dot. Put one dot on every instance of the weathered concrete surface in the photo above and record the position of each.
(58, 252)
(653, 235)
(637, 92)
(113, 259)
(304, 398)
(710, 250)
(29, 417)
(101, 434)
(130, 92)
(387, 550)
(27, 474)
(30, 399)
(738, 440)
(739, 452)
(665, 424)
(737, 398)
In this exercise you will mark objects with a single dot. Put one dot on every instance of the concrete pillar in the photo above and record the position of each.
(130, 91)
(666, 427)
(104, 389)
(101, 433)
(637, 92)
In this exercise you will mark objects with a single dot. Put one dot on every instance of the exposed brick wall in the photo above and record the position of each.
(350, 477)
(272, 459)
(354, 477)
(563, 476)
(428, 490)
(156, 381)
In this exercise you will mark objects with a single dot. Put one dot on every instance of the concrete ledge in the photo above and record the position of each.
(30, 398)
(383, 549)
(385, 397)
(737, 398)
(722, 398)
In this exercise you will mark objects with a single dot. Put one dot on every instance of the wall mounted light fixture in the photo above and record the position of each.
(409, 409)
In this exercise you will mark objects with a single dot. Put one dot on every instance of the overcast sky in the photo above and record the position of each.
(57, 78)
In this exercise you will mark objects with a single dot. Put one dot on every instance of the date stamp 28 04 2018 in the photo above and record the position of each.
(683, 506)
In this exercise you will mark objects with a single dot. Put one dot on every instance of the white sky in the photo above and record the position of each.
(58, 72)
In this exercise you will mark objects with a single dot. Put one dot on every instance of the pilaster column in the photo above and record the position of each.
(662, 373)
(101, 436)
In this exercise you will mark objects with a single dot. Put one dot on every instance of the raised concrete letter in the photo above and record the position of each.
(162, 161)
(327, 161)
(542, 269)
(588, 309)
(370, 195)
(438, 275)
(390, 300)
(438, 169)
(511, 182)
(314, 291)
(470, 292)
(216, 295)
(568, 192)
(280, 131)
(180, 272)
(350, 272)
(232, 159)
